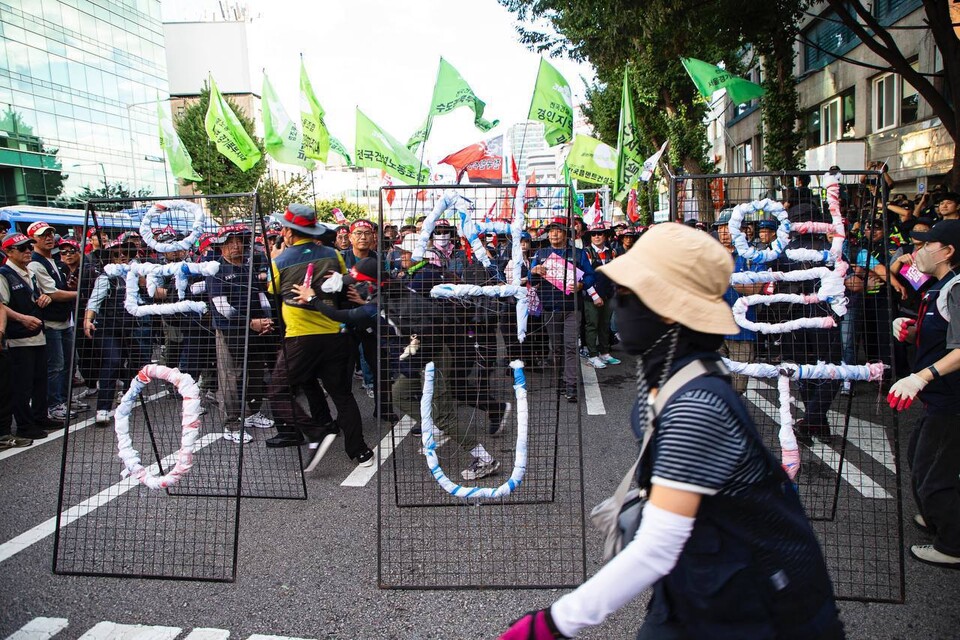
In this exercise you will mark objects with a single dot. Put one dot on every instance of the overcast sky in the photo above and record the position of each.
(383, 55)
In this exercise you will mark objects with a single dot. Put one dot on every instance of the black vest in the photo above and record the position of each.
(942, 396)
(56, 311)
(23, 302)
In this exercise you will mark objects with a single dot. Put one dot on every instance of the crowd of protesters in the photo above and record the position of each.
(305, 334)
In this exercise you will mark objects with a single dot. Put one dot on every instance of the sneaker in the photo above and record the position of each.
(34, 433)
(497, 426)
(365, 459)
(415, 430)
(319, 450)
(369, 391)
(58, 412)
(920, 523)
(11, 441)
(584, 352)
(480, 469)
(285, 439)
(570, 393)
(87, 392)
(926, 553)
(258, 421)
(596, 362)
(103, 418)
(609, 359)
(234, 436)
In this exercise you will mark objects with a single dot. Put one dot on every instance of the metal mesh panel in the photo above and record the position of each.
(111, 524)
(533, 535)
(849, 480)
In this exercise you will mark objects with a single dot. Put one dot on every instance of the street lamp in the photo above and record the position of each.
(103, 172)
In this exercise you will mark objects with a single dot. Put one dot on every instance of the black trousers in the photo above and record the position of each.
(30, 394)
(306, 358)
(934, 454)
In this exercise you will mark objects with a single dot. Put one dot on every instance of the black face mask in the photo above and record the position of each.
(639, 327)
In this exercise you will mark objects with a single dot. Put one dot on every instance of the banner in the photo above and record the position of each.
(226, 131)
(629, 156)
(177, 155)
(650, 164)
(281, 138)
(337, 147)
(316, 138)
(710, 78)
(489, 168)
(378, 149)
(592, 160)
(552, 104)
(449, 93)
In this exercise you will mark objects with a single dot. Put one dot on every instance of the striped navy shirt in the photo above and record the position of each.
(702, 447)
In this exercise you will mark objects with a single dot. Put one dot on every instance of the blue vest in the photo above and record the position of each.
(942, 396)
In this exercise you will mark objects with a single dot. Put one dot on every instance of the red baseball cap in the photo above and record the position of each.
(16, 240)
(38, 228)
(69, 242)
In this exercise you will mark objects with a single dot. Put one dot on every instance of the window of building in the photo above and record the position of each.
(848, 114)
(743, 157)
(811, 127)
(830, 119)
(909, 100)
(825, 37)
(889, 11)
(884, 102)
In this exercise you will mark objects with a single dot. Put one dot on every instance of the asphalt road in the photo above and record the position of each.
(308, 568)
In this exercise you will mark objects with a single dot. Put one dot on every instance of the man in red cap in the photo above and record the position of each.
(57, 316)
(24, 338)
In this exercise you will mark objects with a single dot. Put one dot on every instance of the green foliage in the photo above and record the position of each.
(110, 190)
(219, 174)
(351, 210)
(276, 195)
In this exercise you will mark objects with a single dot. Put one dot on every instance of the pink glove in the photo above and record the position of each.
(790, 460)
(536, 625)
(904, 391)
(901, 328)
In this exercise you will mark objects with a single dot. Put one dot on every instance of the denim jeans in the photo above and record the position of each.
(59, 350)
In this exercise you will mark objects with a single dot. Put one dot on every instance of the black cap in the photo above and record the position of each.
(952, 196)
(944, 232)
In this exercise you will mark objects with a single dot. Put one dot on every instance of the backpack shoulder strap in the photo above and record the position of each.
(942, 305)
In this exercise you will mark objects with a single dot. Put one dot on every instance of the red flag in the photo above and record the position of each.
(531, 192)
(388, 182)
(488, 170)
(632, 206)
(513, 170)
(422, 195)
(460, 159)
(596, 210)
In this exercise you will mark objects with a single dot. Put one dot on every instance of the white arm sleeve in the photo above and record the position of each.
(651, 555)
(223, 307)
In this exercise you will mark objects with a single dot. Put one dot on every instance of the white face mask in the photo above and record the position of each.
(923, 259)
(441, 242)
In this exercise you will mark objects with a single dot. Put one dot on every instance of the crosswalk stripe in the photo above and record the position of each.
(360, 476)
(591, 391)
(9, 453)
(39, 629)
(257, 636)
(114, 631)
(208, 634)
(16, 545)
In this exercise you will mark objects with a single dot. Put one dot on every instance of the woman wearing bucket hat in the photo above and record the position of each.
(723, 539)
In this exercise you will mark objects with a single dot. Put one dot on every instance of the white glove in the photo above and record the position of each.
(904, 391)
(790, 460)
(901, 328)
(333, 284)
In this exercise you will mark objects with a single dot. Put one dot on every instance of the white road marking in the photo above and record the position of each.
(591, 389)
(257, 636)
(48, 527)
(360, 476)
(9, 453)
(39, 629)
(114, 631)
(856, 478)
(208, 634)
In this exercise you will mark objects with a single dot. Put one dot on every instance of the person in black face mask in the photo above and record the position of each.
(723, 540)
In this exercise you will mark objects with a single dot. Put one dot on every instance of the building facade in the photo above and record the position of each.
(79, 82)
(852, 114)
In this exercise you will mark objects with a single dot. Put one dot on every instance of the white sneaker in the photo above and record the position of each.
(926, 553)
(58, 412)
(258, 421)
(320, 449)
(234, 436)
(480, 469)
(596, 362)
(103, 418)
(609, 359)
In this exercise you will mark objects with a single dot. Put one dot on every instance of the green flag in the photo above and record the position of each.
(577, 210)
(449, 93)
(377, 148)
(281, 137)
(710, 78)
(227, 132)
(591, 160)
(316, 139)
(337, 147)
(629, 154)
(177, 155)
(552, 104)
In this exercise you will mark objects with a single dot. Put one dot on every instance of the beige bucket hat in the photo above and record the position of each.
(680, 273)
